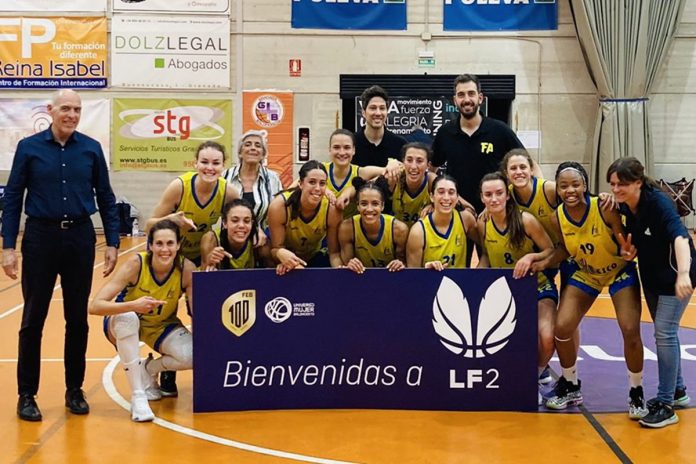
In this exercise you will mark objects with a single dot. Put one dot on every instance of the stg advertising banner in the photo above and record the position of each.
(416, 118)
(173, 6)
(326, 338)
(39, 53)
(375, 15)
(21, 118)
(502, 15)
(163, 134)
(170, 52)
(271, 111)
(53, 5)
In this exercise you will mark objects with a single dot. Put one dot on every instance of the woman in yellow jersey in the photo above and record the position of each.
(590, 236)
(149, 286)
(232, 247)
(194, 200)
(300, 219)
(438, 241)
(515, 239)
(410, 192)
(341, 172)
(370, 238)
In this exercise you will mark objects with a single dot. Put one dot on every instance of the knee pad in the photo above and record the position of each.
(179, 345)
(124, 325)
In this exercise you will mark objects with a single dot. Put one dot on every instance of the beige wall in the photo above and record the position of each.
(555, 94)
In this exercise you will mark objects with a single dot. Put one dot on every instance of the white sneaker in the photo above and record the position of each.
(152, 389)
(140, 409)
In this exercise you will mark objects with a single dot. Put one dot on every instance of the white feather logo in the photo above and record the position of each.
(452, 319)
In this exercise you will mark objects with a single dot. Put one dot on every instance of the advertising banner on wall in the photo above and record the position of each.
(523, 15)
(53, 5)
(170, 52)
(417, 119)
(271, 111)
(173, 6)
(463, 339)
(376, 15)
(163, 134)
(21, 118)
(39, 53)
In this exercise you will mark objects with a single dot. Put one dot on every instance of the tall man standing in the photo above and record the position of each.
(473, 145)
(61, 170)
(374, 144)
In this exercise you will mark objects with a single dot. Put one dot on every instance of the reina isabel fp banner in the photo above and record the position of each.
(361, 15)
(42, 52)
(170, 52)
(500, 15)
(329, 338)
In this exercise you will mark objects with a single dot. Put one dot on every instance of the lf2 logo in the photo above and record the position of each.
(278, 310)
(453, 323)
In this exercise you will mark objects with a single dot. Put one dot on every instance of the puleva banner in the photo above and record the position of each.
(329, 338)
(22, 118)
(39, 53)
(163, 134)
(502, 15)
(271, 111)
(53, 5)
(363, 15)
(173, 6)
(170, 52)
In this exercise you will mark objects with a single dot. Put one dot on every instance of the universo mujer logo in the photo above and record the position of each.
(452, 319)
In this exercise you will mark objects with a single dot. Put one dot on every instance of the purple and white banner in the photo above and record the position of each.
(328, 338)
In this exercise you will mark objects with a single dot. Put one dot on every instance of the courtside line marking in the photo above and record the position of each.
(60, 360)
(19, 306)
(107, 380)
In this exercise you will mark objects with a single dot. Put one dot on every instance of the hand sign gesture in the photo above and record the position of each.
(628, 250)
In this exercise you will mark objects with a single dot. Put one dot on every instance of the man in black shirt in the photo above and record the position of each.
(374, 144)
(473, 145)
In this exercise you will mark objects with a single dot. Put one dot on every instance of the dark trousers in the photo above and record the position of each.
(47, 252)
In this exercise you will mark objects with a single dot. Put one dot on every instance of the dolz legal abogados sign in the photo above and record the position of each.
(328, 338)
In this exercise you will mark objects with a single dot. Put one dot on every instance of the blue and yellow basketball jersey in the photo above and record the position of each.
(161, 320)
(450, 248)
(407, 207)
(590, 242)
(539, 207)
(351, 209)
(501, 253)
(380, 252)
(203, 215)
(304, 236)
(245, 259)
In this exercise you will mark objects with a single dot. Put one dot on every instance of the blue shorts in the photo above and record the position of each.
(626, 277)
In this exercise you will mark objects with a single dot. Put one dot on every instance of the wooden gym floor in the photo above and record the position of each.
(108, 435)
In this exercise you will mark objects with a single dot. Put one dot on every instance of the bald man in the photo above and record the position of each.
(61, 170)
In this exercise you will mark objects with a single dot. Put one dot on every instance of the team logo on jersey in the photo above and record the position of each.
(239, 311)
(595, 230)
(452, 319)
(278, 310)
(541, 212)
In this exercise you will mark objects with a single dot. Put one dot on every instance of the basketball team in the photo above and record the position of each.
(380, 202)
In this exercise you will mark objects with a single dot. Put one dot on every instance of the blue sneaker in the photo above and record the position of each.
(546, 378)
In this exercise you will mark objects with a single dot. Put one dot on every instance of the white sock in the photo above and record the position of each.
(570, 374)
(133, 370)
(635, 379)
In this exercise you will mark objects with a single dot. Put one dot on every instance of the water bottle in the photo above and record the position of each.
(136, 230)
